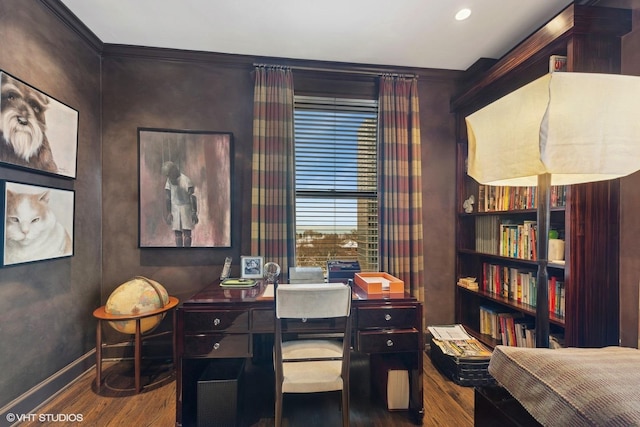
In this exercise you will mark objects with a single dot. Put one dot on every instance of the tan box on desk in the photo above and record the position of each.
(377, 283)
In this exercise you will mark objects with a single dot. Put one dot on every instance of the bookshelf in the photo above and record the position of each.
(496, 239)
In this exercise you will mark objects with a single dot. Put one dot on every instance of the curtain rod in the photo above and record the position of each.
(332, 70)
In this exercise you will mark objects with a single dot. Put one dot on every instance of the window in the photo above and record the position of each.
(336, 181)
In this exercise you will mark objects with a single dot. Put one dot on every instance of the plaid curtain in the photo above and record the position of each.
(400, 210)
(272, 185)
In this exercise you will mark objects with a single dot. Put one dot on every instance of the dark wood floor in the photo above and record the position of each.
(446, 404)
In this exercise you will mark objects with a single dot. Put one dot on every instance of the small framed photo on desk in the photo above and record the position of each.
(251, 267)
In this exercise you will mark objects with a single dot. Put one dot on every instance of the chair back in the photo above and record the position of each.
(313, 301)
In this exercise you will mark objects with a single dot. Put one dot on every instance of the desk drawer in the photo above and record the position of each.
(389, 341)
(388, 317)
(217, 345)
(223, 320)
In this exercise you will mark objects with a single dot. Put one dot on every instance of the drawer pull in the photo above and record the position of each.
(387, 317)
(216, 322)
(389, 343)
(216, 346)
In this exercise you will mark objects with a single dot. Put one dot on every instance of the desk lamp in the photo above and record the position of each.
(563, 128)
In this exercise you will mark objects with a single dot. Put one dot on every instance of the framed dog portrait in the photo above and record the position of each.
(251, 267)
(185, 188)
(37, 132)
(38, 223)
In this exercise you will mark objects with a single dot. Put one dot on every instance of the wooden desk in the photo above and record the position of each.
(100, 314)
(223, 323)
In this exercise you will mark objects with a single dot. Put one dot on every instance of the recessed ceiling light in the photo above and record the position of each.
(463, 14)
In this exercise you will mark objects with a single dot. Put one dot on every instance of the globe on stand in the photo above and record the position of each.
(137, 296)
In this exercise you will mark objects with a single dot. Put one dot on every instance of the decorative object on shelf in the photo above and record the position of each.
(556, 250)
(557, 63)
(37, 132)
(468, 204)
(38, 223)
(563, 128)
(185, 188)
(137, 296)
(251, 267)
(271, 272)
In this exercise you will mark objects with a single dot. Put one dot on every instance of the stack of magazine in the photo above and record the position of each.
(454, 341)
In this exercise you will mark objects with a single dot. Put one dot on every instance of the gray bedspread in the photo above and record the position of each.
(572, 386)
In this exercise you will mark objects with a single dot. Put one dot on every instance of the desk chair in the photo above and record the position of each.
(303, 363)
(299, 275)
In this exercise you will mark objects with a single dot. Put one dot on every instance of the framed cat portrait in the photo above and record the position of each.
(38, 223)
(185, 188)
(37, 132)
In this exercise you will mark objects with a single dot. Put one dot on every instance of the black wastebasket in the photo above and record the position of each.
(218, 393)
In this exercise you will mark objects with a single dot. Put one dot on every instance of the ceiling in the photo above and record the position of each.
(407, 33)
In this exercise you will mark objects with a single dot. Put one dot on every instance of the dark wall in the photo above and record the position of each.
(45, 307)
(438, 189)
(169, 94)
(179, 90)
(629, 217)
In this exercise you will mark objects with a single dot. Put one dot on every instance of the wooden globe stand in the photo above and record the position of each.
(100, 314)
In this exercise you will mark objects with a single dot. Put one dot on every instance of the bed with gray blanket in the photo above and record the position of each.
(572, 386)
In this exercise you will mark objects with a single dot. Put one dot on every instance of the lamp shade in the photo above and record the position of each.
(577, 127)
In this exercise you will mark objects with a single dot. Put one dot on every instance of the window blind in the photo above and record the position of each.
(336, 181)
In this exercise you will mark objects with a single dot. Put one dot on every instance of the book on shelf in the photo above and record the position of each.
(525, 332)
(506, 237)
(519, 286)
(518, 239)
(556, 296)
(510, 328)
(469, 283)
(487, 231)
(490, 322)
(515, 284)
(493, 198)
(507, 327)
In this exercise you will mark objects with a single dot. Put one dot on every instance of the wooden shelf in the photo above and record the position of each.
(590, 37)
(515, 305)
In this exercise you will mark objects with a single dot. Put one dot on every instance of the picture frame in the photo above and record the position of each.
(37, 132)
(192, 209)
(251, 267)
(41, 216)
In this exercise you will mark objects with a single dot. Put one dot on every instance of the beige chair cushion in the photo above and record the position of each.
(311, 376)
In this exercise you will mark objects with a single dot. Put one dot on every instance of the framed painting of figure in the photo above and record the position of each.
(185, 188)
